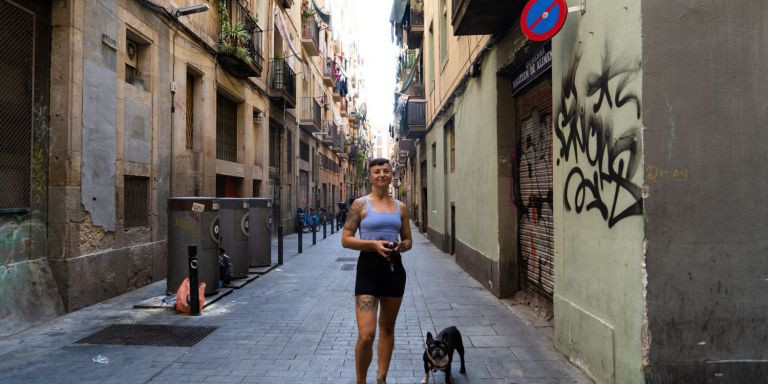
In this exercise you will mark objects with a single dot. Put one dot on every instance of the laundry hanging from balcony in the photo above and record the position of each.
(287, 36)
(323, 15)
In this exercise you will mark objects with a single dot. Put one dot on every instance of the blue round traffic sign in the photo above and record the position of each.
(542, 19)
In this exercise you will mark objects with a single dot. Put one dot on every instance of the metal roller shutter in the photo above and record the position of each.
(534, 167)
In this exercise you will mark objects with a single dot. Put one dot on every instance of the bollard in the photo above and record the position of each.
(280, 245)
(314, 234)
(194, 298)
(332, 224)
(301, 235)
(324, 229)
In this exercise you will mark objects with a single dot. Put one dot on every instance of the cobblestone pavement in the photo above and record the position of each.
(296, 324)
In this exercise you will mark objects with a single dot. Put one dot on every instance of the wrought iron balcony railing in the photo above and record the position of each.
(310, 35)
(329, 69)
(283, 82)
(240, 41)
(311, 115)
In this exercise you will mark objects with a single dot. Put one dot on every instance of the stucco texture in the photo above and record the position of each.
(598, 178)
(473, 184)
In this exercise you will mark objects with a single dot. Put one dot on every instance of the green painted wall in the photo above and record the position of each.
(597, 151)
(474, 184)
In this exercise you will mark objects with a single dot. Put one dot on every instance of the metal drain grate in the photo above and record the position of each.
(346, 259)
(348, 267)
(148, 334)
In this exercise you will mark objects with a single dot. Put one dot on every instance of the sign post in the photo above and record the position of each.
(542, 19)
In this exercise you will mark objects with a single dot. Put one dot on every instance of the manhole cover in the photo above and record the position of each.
(348, 267)
(147, 334)
(347, 259)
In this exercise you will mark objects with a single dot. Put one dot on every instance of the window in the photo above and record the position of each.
(452, 139)
(18, 100)
(258, 117)
(431, 57)
(434, 154)
(136, 201)
(256, 188)
(226, 129)
(190, 110)
(274, 156)
(303, 151)
(137, 60)
(443, 14)
(289, 152)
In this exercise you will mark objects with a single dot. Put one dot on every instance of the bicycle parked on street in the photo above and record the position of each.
(311, 221)
(341, 216)
(306, 221)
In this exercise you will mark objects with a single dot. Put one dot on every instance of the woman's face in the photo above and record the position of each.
(380, 175)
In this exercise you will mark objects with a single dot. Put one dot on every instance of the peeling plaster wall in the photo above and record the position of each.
(598, 178)
(138, 132)
(123, 133)
(99, 115)
(705, 64)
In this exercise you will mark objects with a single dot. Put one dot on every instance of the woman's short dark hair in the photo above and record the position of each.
(379, 161)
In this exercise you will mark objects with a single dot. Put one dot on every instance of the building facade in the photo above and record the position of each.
(571, 171)
(133, 102)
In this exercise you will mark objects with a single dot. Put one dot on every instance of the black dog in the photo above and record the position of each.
(439, 353)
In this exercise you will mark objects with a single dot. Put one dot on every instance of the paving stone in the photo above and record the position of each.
(296, 324)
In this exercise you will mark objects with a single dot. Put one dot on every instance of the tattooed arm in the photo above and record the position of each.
(348, 239)
(406, 238)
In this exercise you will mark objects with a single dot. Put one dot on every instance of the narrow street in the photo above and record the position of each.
(296, 324)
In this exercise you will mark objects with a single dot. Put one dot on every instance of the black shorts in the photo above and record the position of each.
(376, 278)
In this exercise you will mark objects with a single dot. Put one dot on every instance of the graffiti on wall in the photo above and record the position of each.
(23, 234)
(602, 150)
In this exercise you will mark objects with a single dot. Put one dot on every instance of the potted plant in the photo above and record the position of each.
(233, 36)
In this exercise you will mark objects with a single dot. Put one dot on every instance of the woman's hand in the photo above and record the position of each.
(381, 246)
(403, 246)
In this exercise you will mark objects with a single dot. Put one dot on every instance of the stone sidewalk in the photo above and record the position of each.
(296, 324)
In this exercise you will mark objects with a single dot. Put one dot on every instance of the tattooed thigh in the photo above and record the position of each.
(366, 303)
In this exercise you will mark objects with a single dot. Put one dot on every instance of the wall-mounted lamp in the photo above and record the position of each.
(184, 11)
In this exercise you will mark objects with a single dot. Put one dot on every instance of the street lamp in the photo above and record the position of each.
(183, 11)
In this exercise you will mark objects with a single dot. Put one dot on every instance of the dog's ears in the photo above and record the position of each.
(429, 337)
(445, 338)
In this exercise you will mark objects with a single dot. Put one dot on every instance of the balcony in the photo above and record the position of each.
(329, 69)
(408, 62)
(483, 17)
(337, 91)
(282, 85)
(407, 145)
(331, 136)
(344, 107)
(310, 35)
(311, 119)
(240, 42)
(415, 119)
(415, 28)
(354, 151)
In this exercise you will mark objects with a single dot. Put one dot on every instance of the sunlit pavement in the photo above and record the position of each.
(296, 324)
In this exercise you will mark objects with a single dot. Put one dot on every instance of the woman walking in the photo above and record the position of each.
(380, 280)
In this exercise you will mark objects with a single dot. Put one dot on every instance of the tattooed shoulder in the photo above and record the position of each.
(355, 214)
